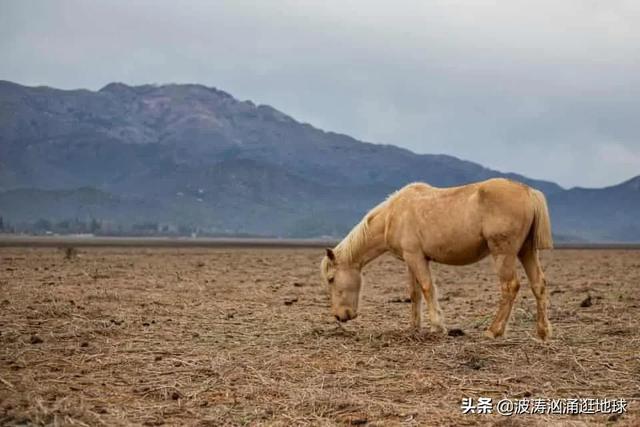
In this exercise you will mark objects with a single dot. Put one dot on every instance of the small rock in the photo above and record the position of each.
(35, 339)
(586, 302)
(358, 421)
(157, 358)
(400, 300)
(456, 332)
(175, 395)
(290, 301)
(475, 363)
(145, 324)
(298, 284)
(84, 344)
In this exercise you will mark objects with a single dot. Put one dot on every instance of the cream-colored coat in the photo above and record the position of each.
(459, 225)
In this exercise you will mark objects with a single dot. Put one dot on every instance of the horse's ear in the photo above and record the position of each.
(330, 254)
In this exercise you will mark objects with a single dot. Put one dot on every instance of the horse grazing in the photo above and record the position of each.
(457, 226)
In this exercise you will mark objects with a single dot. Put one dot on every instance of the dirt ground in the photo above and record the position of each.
(130, 336)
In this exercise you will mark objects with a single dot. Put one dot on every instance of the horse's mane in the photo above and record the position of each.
(348, 249)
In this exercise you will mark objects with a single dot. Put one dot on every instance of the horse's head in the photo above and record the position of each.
(344, 286)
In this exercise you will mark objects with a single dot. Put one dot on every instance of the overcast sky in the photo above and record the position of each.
(549, 89)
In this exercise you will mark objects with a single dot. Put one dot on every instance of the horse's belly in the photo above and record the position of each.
(458, 252)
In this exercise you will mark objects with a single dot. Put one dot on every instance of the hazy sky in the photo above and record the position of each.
(549, 89)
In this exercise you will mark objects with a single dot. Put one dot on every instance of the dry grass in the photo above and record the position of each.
(233, 337)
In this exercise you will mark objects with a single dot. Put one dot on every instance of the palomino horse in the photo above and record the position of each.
(457, 226)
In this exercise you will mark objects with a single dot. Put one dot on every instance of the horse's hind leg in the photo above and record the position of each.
(529, 258)
(416, 300)
(505, 267)
(419, 266)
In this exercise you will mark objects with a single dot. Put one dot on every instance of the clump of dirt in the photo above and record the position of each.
(35, 339)
(455, 332)
(400, 300)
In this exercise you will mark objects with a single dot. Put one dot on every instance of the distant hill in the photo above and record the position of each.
(605, 214)
(193, 155)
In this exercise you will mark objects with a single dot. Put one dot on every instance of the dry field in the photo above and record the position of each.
(131, 336)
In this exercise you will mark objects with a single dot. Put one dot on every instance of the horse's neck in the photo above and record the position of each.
(377, 248)
(373, 245)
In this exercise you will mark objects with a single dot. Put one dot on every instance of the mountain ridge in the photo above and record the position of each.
(150, 142)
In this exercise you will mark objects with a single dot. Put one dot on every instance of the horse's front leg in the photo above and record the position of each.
(415, 291)
(419, 266)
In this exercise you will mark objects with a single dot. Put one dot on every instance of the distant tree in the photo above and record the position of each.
(185, 230)
(63, 225)
(146, 227)
(95, 225)
(42, 225)
(1, 224)
(79, 226)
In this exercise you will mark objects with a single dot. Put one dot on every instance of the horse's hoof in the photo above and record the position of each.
(438, 329)
(490, 334)
(544, 333)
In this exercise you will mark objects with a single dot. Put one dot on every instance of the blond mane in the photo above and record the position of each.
(349, 248)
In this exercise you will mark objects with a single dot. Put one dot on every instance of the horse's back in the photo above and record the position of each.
(443, 223)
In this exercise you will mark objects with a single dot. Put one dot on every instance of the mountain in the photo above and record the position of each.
(194, 155)
(605, 214)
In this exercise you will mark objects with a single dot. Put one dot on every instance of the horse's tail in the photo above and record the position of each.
(541, 228)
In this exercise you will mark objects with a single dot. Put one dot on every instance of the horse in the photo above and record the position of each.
(420, 224)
